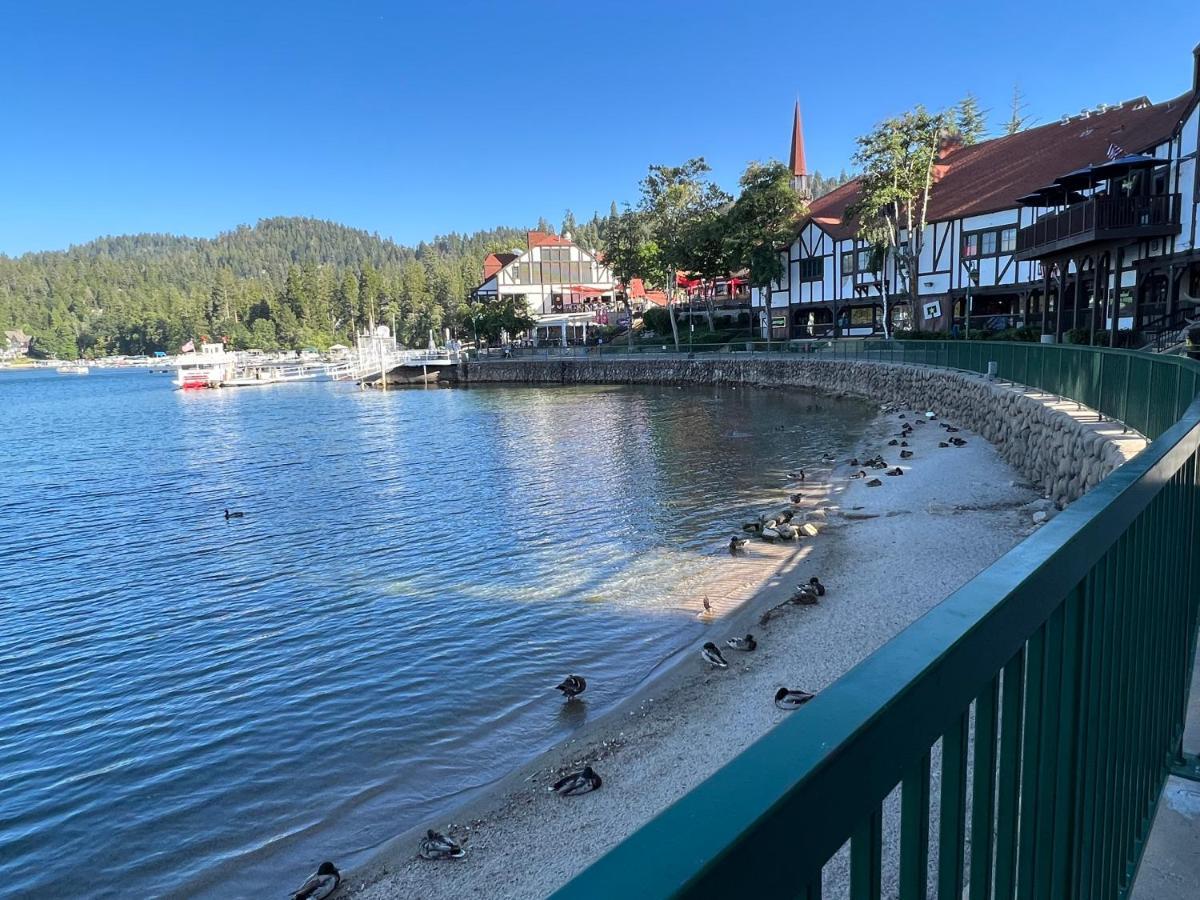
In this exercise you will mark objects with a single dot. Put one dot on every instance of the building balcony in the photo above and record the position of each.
(1101, 218)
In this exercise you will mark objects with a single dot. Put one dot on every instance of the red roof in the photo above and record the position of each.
(799, 167)
(542, 239)
(990, 176)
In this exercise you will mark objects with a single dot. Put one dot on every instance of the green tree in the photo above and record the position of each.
(763, 219)
(970, 122)
(892, 208)
(630, 253)
(673, 199)
(1018, 118)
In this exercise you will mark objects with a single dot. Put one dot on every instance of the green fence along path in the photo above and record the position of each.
(1051, 689)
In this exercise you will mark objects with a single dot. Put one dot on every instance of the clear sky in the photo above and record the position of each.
(417, 119)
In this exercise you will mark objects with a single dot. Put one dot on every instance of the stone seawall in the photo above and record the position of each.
(1055, 444)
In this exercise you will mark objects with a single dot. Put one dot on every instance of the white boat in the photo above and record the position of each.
(72, 369)
(209, 368)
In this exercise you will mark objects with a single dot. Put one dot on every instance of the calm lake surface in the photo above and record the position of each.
(201, 707)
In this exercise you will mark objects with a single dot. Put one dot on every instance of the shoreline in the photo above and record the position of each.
(652, 746)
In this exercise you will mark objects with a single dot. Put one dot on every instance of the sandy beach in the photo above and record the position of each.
(886, 554)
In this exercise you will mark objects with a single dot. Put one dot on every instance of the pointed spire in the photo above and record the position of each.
(798, 165)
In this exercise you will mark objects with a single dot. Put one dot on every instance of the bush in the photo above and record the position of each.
(909, 334)
(1029, 334)
(657, 319)
(743, 319)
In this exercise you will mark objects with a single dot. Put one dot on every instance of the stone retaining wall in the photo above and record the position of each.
(1055, 444)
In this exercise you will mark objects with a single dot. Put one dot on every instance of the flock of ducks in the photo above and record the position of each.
(437, 846)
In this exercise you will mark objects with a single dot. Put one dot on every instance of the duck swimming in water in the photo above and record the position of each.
(958, 442)
(582, 782)
(436, 845)
(572, 686)
(859, 474)
(943, 444)
(746, 644)
(797, 498)
(786, 699)
(906, 454)
(895, 471)
(320, 884)
(797, 475)
(712, 655)
(707, 606)
(815, 584)
(234, 515)
(874, 482)
(893, 442)
(752, 527)
(827, 457)
(738, 544)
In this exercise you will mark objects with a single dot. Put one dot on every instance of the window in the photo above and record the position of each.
(970, 245)
(812, 269)
(847, 263)
(864, 260)
(989, 243)
(862, 315)
(1008, 240)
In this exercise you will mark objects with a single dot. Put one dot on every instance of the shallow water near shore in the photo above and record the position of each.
(187, 700)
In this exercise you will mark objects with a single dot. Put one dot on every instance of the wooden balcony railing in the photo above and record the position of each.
(1097, 219)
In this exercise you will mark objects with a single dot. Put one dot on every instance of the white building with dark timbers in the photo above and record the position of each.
(1086, 223)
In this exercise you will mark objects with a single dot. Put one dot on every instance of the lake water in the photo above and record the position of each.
(186, 700)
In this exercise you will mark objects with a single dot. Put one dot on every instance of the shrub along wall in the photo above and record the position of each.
(1056, 445)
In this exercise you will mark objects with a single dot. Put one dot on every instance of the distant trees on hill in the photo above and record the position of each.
(283, 283)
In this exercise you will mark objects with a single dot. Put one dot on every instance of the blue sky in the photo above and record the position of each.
(128, 116)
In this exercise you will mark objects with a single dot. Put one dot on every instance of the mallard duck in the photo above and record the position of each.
(712, 655)
(797, 498)
(853, 461)
(805, 595)
(958, 442)
(582, 782)
(943, 444)
(738, 544)
(320, 884)
(874, 482)
(784, 517)
(815, 584)
(572, 686)
(901, 416)
(786, 699)
(859, 474)
(895, 471)
(746, 644)
(827, 457)
(707, 605)
(950, 429)
(234, 515)
(436, 845)
(752, 527)
(904, 443)
(906, 454)
(797, 475)
(893, 442)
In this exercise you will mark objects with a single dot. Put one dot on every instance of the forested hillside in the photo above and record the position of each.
(285, 282)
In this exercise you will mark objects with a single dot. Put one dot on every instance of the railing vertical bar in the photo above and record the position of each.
(1030, 762)
(1096, 626)
(1009, 780)
(1136, 575)
(1048, 754)
(1071, 705)
(983, 791)
(866, 858)
(914, 832)
(952, 830)
(1112, 711)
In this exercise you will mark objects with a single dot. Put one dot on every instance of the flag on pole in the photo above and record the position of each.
(1114, 151)
(189, 347)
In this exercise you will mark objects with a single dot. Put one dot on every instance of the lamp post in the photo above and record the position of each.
(971, 266)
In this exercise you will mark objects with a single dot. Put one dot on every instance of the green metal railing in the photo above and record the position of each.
(1042, 704)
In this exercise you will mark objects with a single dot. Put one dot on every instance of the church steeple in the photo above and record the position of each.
(798, 165)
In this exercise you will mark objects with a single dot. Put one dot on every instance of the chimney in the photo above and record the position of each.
(798, 164)
(491, 265)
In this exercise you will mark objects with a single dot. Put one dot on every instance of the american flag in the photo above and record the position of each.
(189, 347)
(1114, 151)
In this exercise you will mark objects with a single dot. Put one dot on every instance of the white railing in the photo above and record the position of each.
(364, 365)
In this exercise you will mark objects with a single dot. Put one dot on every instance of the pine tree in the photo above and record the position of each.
(969, 120)
(1018, 119)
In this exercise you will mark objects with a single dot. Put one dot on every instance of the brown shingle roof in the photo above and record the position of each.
(990, 176)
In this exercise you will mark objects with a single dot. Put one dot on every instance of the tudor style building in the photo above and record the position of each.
(565, 287)
(1084, 223)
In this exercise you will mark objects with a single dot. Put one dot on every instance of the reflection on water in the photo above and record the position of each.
(184, 697)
